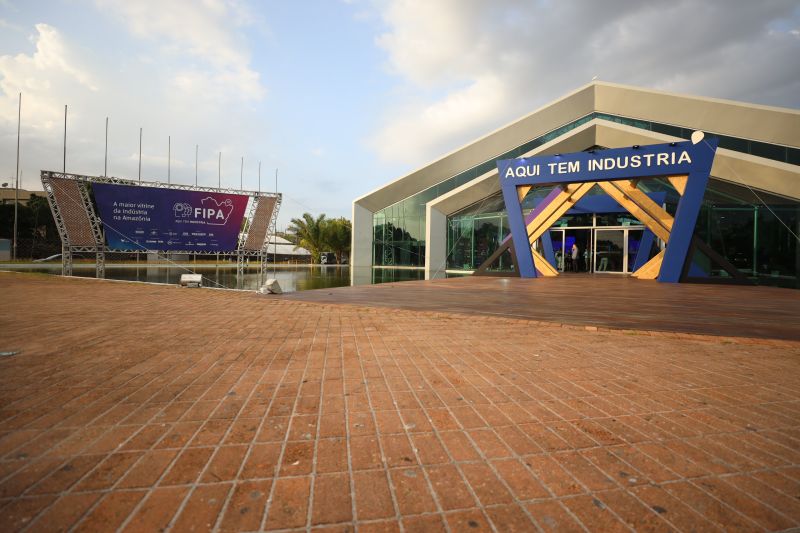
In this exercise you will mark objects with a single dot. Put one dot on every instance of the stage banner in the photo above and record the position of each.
(149, 218)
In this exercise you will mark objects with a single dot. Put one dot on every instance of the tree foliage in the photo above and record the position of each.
(37, 234)
(309, 233)
(337, 232)
(319, 235)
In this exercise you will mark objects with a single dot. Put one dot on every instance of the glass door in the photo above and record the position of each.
(615, 249)
(610, 250)
(557, 237)
(581, 239)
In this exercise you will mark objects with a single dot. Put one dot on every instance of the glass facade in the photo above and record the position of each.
(754, 237)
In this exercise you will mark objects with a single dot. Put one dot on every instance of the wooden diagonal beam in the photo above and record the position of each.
(650, 269)
(646, 203)
(563, 203)
(622, 199)
(679, 182)
(543, 265)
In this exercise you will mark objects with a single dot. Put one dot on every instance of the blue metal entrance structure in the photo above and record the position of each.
(686, 165)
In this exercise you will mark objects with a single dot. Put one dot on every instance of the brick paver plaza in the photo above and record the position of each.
(142, 408)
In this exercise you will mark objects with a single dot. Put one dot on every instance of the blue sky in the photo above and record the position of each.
(343, 96)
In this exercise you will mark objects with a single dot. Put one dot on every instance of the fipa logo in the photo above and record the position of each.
(211, 212)
(182, 210)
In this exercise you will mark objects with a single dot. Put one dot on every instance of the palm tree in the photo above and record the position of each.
(310, 234)
(337, 236)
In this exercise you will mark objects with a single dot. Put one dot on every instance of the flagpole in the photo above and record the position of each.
(64, 170)
(140, 155)
(169, 156)
(196, 150)
(241, 176)
(219, 172)
(16, 184)
(105, 165)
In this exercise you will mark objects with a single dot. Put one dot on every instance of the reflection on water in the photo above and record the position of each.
(290, 278)
(387, 275)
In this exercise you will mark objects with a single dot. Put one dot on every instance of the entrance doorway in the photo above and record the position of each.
(563, 239)
(616, 249)
(602, 250)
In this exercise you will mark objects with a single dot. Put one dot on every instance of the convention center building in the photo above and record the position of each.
(449, 217)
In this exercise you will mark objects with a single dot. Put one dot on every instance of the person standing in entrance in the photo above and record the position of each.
(574, 257)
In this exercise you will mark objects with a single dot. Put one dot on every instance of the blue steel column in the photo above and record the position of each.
(644, 249)
(519, 232)
(688, 208)
(547, 249)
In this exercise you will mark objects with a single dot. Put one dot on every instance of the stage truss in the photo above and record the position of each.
(81, 229)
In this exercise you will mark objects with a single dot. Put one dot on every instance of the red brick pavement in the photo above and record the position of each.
(142, 408)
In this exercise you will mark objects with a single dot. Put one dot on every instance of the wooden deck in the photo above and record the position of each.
(592, 300)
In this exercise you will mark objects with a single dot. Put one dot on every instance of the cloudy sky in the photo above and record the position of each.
(343, 96)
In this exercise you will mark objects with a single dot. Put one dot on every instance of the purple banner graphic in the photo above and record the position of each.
(148, 218)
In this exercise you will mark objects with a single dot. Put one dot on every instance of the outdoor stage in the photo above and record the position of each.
(602, 301)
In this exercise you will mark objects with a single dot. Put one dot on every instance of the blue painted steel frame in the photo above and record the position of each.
(649, 161)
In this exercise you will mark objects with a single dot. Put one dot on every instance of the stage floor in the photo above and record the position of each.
(134, 407)
(603, 301)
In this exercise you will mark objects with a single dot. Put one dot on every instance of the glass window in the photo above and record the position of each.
(666, 129)
(459, 243)
(732, 236)
(770, 151)
(617, 219)
(776, 248)
(731, 143)
(486, 239)
(634, 243)
(578, 219)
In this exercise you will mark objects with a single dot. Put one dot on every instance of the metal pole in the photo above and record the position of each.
(259, 176)
(105, 165)
(219, 172)
(241, 176)
(140, 155)
(196, 150)
(65, 139)
(169, 155)
(16, 188)
(275, 237)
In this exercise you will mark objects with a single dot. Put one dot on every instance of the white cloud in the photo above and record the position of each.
(53, 63)
(206, 30)
(469, 66)
(195, 101)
